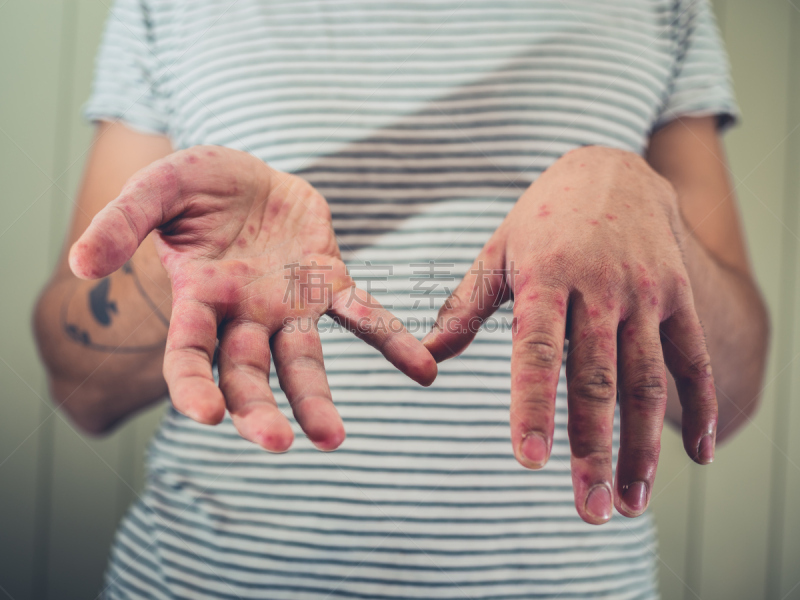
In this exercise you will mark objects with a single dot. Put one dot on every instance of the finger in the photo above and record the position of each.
(687, 357)
(190, 347)
(536, 356)
(643, 400)
(297, 352)
(476, 298)
(592, 397)
(147, 200)
(360, 313)
(244, 379)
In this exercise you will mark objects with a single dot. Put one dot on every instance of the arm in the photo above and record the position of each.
(252, 264)
(688, 153)
(103, 342)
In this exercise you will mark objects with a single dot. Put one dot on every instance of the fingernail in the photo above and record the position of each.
(635, 497)
(705, 449)
(535, 449)
(598, 502)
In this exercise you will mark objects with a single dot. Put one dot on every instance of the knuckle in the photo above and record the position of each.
(647, 383)
(603, 273)
(535, 409)
(594, 451)
(595, 383)
(555, 268)
(698, 367)
(456, 303)
(300, 368)
(541, 351)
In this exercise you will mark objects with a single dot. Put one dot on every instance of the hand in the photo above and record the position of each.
(592, 250)
(252, 258)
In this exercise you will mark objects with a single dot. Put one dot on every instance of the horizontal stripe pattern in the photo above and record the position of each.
(422, 122)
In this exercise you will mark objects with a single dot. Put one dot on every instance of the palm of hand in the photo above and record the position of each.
(254, 262)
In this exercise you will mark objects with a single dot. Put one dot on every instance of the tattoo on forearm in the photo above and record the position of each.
(103, 310)
(100, 305)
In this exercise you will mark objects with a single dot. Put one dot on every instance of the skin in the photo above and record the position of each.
(625, 263)
(622, 256)
(251, 258)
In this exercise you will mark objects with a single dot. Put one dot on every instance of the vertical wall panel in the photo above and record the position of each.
(734, 536)
(784, 581)
(94, 481)
(30, 36)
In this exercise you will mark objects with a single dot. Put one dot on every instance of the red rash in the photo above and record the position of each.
(251, 229)
(191, 159)
(594, 222)
(241, 242)
(611, 217)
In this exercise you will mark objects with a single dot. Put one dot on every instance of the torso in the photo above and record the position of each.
(421, 122)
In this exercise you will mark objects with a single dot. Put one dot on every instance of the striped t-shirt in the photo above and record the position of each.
(422, 122)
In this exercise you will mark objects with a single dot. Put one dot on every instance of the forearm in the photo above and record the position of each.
(736, 325)
(103, 341)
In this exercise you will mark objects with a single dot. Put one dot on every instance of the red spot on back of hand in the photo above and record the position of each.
(611, 217)
(191, 158)
(544, 211)
(594, 222)
(211, 153)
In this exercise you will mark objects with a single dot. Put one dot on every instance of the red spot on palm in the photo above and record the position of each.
(251, 229)
(241, 242)
(611, 217)
(594, 222)
(191, 158)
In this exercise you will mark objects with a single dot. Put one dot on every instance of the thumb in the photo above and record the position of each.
(476, 298)
(147, 200)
